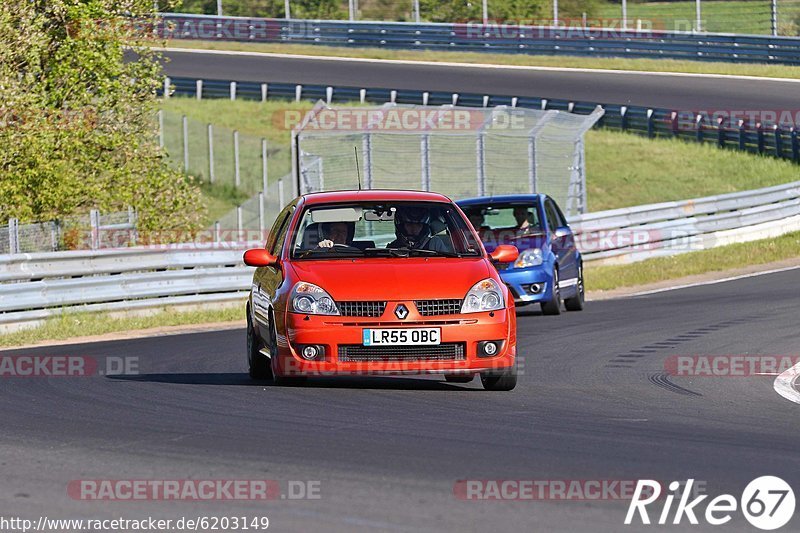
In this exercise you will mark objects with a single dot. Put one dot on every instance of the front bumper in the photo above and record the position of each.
(529, 285)
(337, 334)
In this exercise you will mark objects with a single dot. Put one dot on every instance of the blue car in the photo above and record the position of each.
(549, 269)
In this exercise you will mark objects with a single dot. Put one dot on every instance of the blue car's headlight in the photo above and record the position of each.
(528, 258)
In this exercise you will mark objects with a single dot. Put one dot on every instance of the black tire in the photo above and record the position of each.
(457, 378)
(259, 366)
(504, 381)
(553, 306)
(576, 302)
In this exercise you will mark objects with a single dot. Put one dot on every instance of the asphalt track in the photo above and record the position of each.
(655, 90)
(592, 403)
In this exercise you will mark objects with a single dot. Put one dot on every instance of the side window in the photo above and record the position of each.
(278, 228)
(550, 213)
(562, 220)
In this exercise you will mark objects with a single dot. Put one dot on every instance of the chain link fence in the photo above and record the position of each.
(457, 151)
(91, 231)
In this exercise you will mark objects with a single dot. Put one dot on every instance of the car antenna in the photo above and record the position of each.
(358, 171)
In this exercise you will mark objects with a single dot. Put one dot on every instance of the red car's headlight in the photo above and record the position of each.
(311, 299)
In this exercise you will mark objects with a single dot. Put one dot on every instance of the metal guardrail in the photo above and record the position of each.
(775, 140)
(497, 38)
(37, 286)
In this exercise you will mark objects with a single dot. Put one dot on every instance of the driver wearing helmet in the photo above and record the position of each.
(412, 227)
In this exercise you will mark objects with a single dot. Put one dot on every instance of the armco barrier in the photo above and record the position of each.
(37, 286)
(774, 140)
(493, 37)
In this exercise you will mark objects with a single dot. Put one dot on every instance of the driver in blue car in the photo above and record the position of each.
(414, 231)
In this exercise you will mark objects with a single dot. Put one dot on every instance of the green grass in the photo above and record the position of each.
(700, 262)
(654, 65)
(624, 170)
(83, 324)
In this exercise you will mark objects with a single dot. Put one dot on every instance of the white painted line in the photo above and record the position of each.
(711, 282)
(785, 384)
(473, 65)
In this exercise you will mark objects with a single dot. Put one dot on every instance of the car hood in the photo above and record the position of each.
(394, 279)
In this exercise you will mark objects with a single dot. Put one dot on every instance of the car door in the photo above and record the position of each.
(562, 241)
(266, 280)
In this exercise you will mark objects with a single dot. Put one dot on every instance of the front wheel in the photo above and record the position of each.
(553, 306)
(504, 381)
(576, 302)
(258, 365)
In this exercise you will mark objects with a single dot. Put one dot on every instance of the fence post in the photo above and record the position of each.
(199, 89)
(481, 141)
(720, 133)
(485, 10)
(280, 193)
(239, 223)
(94, 223)
(261, 219)
(760, 131)
(236, 176)
(742, 133)
(778, 140)
(699, 19)
(425, 157)
(233, 90)
(366, 155)
(795, 145)
(13, 236)
(416, 11)
(55, 230)
(532, 163)
(161, 128)
(185, 123)
(286, 9)
(217, 232)
(167, 83)
(624, 14)
(774, 17)
(211, 153)
(264, 174)
(555, 12)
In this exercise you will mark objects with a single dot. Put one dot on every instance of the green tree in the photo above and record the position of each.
(77, 127)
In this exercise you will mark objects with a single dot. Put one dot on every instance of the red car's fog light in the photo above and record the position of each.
(489, 348)
(312, 352)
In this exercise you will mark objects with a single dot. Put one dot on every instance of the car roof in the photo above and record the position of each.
(503, 199)
(373, 195)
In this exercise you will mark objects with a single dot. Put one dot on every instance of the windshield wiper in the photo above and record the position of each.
(423, 251)
(392, 252)
(328, 252)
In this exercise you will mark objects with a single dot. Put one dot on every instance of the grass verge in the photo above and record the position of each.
(561, 61)
(701, 262)
(71, 325)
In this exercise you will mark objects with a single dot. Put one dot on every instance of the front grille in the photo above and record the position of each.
(438, 307)
(452, 351)
(370, 309)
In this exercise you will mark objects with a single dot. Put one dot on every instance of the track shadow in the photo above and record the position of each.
(340, 382)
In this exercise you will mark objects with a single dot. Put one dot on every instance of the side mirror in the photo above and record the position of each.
(258, 257)
(562, 232)
(505, 253)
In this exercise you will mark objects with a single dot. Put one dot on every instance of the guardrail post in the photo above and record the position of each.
(425, 97)
(760, 132)
(485, 100)
(298, 93)
(544, 104)
(455, 98)
(328, 94)
(94, 223)
(264, 167)
(698, 122)
(13, 236)
(185, 123)
(210, 153)
(742, 136)
(514, 101)
(393, 96)
(264, 90)
(233, 90)
(673, 119)
(778, 140)
(362, 95)
(650, 126)
(236, 176)
(795, 146)
(623, 118)
(720, 133)
(198, 89)
(167, 83)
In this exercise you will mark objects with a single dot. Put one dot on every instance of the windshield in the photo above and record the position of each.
(504, 223)
(385, 229)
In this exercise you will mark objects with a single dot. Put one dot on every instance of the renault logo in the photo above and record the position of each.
(401, 311)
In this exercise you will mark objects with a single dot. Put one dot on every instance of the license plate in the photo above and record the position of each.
(402, 337)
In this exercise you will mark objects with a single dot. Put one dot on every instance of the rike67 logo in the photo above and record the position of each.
(767, 503)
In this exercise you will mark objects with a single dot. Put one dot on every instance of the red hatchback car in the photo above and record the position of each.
(379, 282)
